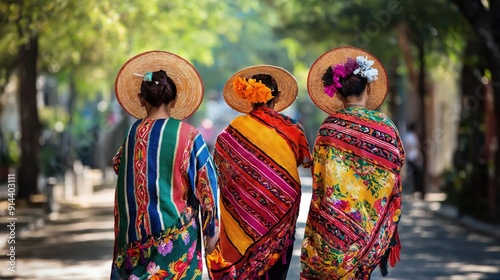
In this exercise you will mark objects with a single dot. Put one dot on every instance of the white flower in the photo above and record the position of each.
(370, 75)
(365, 69)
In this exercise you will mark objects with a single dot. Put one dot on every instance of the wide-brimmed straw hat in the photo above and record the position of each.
(330, 105)
(187, 81)
(287, 85)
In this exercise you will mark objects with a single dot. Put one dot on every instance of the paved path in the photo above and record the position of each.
(78, 245)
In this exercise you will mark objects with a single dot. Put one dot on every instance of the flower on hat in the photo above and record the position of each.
(365, 69)
(362, 66)
(252, 90)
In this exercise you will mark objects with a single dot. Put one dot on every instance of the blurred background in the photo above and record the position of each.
(60, 123)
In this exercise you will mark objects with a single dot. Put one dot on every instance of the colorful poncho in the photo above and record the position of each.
(356, 200)
(165, 174)
(256, 158)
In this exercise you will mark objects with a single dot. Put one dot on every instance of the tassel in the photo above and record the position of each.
(394, 255)
(383, 264)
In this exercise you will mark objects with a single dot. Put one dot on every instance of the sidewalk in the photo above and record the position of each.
(435, 203)
(74, 243)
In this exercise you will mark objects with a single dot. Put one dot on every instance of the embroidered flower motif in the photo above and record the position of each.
(185, 237)
(380, 204)
(165, 249)
(356, 215)
(179, 267)
(152, 268)
(155, 272)
(396, 216)
(191, 250)
(133, 277)
(341, 204)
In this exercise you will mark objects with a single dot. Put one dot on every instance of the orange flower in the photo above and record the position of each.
(251, 90)
(160, 275)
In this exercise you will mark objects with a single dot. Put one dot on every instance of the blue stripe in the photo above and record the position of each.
(203, 159)
(153, 154)
(192, 168)
(200, 147)
(132, 234)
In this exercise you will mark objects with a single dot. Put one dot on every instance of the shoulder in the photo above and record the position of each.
(291, 122)
(288, 119)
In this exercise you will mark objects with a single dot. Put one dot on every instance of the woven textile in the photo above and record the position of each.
(356, 201)
(165, 175)
(257, 157)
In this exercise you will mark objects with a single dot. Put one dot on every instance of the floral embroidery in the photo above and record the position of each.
(155, 272)
(356, 197)
(165, 249)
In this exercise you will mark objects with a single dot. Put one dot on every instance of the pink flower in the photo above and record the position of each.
(350, 66)
(341, 204)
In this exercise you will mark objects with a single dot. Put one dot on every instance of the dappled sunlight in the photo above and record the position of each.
(55, 270)
(458, 266)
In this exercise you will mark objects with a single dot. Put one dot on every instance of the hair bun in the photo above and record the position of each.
(160, 77)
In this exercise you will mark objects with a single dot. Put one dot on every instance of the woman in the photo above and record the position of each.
(256, 158)
(357, 159)
(165, 173)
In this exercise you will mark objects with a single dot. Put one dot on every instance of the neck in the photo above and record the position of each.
(361, 101)
(162, 112)
(268, 105)
(357, 103)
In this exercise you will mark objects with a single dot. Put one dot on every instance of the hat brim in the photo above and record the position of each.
(187, 81)
(287, 85)
(330, 105)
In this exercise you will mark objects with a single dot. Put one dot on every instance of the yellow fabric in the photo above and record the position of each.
(235, 233)
(256, 133)
(348, 176)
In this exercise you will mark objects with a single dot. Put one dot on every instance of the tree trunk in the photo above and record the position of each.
(68, 154)
(30, 123)
(485, 23)
(473, 188)
(495, 76)
(422, 94)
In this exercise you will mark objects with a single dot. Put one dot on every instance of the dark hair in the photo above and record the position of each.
(352, 84)
(160, 90)
(269, 81)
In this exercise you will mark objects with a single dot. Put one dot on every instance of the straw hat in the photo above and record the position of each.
(378, 88)
(287, 85)
(186, 78)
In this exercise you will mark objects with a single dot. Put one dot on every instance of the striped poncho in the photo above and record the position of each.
(165, 174)
(356, 201)
(256, 158)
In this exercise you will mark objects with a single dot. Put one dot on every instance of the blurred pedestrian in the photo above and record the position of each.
(165, 173)
(357, 159)
(414, 169)
(257, 158)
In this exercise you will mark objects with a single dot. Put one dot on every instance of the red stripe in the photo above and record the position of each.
(363, 136)
(337, 143)
(141, 181)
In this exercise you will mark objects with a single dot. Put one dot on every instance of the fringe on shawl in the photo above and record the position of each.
(392, 255)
